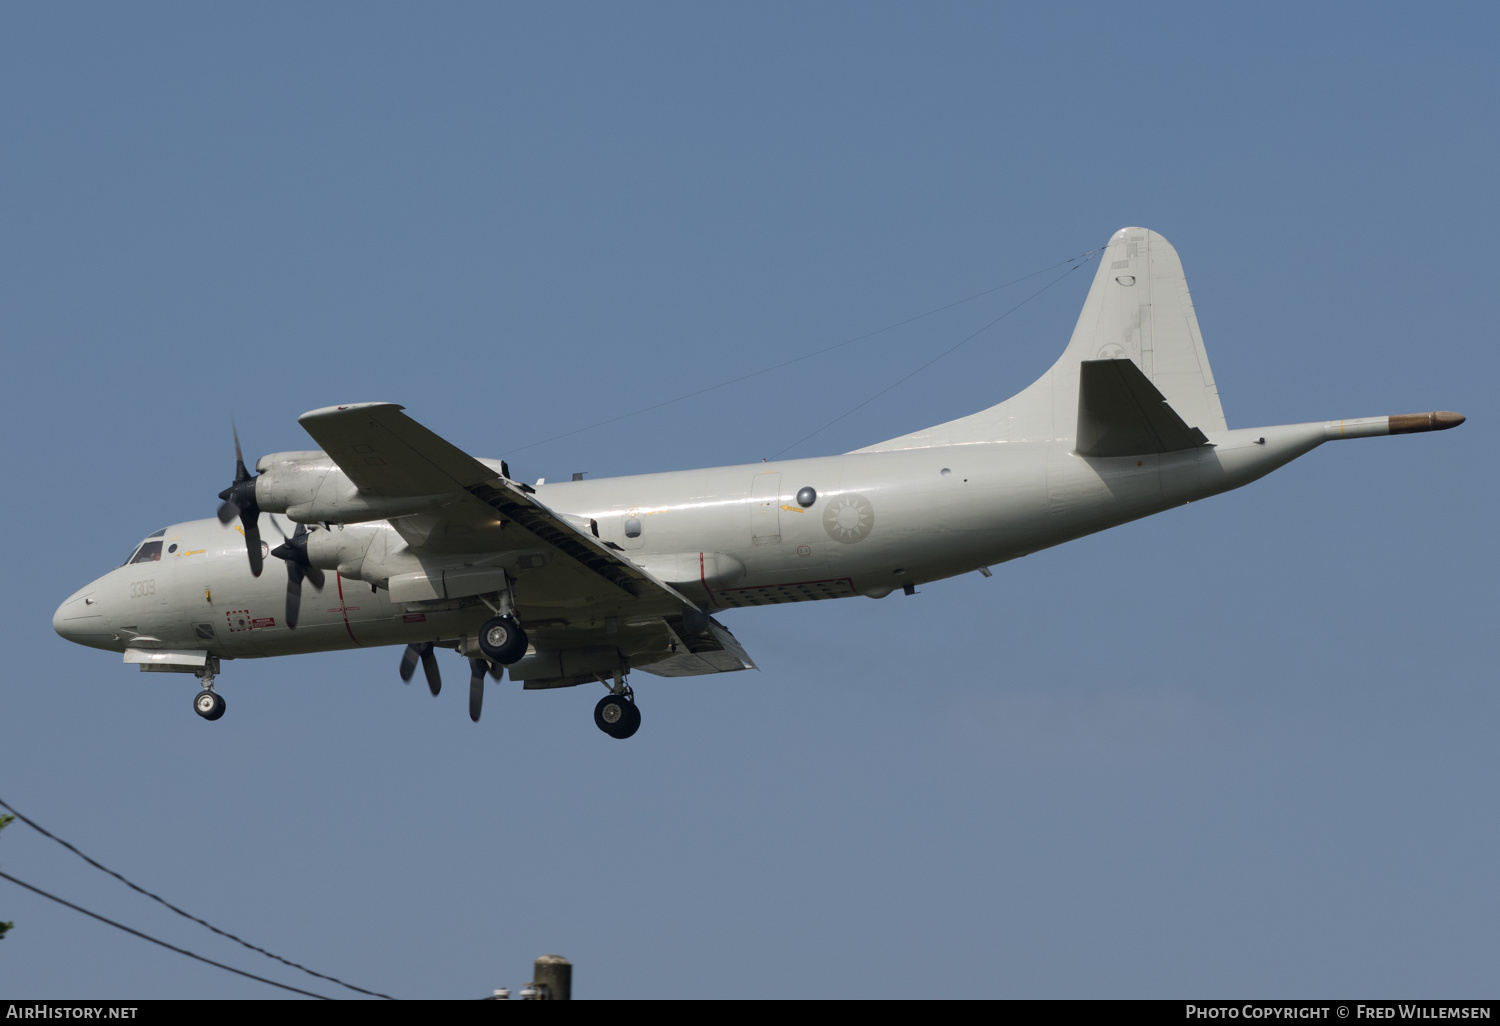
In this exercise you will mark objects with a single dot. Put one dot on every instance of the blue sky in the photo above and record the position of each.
(1244, 747)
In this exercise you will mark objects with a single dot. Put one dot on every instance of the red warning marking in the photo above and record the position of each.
(263, 621)
(239, 620)
(414, 618)
(344, 608)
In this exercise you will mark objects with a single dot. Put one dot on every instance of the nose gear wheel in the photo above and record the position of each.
(208, 704)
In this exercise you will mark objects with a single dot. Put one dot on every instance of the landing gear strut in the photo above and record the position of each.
(617, 715)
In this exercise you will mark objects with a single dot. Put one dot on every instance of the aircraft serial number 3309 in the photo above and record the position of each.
(404, 539)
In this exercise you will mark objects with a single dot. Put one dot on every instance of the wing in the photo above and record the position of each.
(571, 589)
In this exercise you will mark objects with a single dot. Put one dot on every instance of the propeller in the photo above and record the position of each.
(425, 653)
(239, 501)
(477, 669)
(294, 551)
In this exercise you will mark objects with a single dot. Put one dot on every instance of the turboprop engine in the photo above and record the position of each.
(310, 488)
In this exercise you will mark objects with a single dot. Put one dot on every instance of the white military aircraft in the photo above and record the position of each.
(390, 535)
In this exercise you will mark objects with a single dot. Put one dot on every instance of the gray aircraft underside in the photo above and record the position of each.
(390, 535)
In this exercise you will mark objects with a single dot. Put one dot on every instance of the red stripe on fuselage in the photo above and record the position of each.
(344, 609)
(703, 579)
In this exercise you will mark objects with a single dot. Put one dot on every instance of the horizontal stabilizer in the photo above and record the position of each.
(1121, 413)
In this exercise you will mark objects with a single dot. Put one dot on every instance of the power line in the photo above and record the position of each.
(1081, 261)
(153, 940)
(1075, 260)
(222, 933)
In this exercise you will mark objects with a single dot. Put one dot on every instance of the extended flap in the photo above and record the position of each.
(1121, 413)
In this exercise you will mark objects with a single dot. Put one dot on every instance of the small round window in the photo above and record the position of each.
(633, 527)
(806, 497)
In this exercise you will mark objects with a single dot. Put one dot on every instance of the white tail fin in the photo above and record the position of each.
(1137, 309)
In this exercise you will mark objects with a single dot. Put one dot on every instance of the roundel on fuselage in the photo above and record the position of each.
(849, 518)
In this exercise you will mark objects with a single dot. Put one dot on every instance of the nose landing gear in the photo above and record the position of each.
(208, 703)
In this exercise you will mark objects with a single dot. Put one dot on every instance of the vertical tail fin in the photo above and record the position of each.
(1138, 309)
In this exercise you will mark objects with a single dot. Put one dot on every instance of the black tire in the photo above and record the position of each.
(502, 640)
(632, 725)
(209, 704)
(617, 716)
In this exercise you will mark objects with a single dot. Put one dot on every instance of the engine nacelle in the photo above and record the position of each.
(566, 667)
(310, 488)
(288, 479)
(345, 547)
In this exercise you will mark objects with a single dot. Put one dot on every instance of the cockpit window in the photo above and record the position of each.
(149, 552)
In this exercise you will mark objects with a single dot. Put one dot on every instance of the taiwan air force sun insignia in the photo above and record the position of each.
(849, 518)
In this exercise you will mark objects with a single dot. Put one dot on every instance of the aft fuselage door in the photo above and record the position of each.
(765, 509)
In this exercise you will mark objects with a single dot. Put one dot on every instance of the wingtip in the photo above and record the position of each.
(329, 411)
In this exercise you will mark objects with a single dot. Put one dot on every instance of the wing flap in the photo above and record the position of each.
(1121, 413)
(712, 650)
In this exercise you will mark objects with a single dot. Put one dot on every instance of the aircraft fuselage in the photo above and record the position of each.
(726, 537)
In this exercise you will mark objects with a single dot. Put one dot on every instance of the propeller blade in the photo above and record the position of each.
(430, 667)
(477, 670)
(294, 551)
(239, 501)
(424, 652)
(240, 473)
(293, 594)
(252, 541)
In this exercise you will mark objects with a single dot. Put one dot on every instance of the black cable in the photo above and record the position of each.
(944, 353)
(1076, 260)
(222, 933)
(153, 940)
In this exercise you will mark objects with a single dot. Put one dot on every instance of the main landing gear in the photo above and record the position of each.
(502, 640)
(617, 715)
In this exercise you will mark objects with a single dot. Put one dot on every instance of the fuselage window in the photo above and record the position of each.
(633, 527)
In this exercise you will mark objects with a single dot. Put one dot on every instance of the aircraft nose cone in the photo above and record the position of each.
(81, 620)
